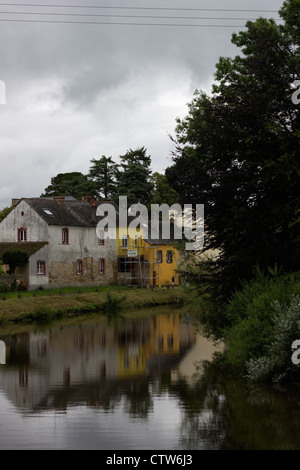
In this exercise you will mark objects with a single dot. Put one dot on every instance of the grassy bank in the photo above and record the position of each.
(42, 306)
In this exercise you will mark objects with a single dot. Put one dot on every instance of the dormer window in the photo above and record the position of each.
(22, 234)
(65, 236)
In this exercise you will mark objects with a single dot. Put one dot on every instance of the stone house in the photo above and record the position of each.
(59, 235)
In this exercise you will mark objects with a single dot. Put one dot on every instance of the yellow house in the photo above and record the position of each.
(145, 261)
(164, 263)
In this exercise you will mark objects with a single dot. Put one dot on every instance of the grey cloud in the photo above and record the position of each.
(78, 91)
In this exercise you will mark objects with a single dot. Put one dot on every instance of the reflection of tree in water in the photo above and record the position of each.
(269, 419)
(253, 417)
(204, 413)
(202, 406)
(138, 400)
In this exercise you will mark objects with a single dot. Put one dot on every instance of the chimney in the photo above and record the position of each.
(15, 201)
(88, 199)
(60, 199)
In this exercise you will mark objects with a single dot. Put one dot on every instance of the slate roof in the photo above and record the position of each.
(73, 213)
(70, 212)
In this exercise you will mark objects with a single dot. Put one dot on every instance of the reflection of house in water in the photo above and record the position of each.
(162, 338)
(165, 334)
(202, 350)
(64, 361)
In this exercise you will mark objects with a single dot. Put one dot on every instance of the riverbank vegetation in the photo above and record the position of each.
(47, 305)
(238, 153)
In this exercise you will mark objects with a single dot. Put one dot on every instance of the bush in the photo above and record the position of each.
(3, 287)
(251, 312)
(42, 315)
(2, 272)
(276, 364)
(3, 320)
(113, 304)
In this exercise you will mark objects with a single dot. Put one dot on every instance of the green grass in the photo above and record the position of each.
(41, 306)
(58, 291)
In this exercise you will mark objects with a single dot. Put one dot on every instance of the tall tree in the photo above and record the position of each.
(70, 184)
(104, 173)
(4, 212)
(162, 193)
(238, 153)
(135, 176)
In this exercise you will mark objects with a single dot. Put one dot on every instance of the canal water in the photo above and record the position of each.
(142, 383)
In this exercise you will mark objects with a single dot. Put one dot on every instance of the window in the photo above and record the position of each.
(169, 256)
(101, 239)
(159, 256)
(65, 236)
(22, 234)
(41, 268)
(102, 266)
(124, 266)
(79, 267)
(136, 241)
(124, 241)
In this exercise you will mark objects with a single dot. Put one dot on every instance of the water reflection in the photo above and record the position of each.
(137, 371)
(134, 384)
(56, 365)
(2, 352)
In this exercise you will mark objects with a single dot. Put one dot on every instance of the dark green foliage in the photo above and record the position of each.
(135, 176)
(4, 212)
(113, 304)
(70, 184)
(238, 153)
(104, 173)
(250, 315)
(277, 364)
(3, 287)
(162, 193)
(3, 320)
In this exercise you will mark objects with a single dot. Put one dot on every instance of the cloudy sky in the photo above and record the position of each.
(79, 91)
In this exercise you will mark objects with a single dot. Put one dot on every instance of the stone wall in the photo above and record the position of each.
(66, 273)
